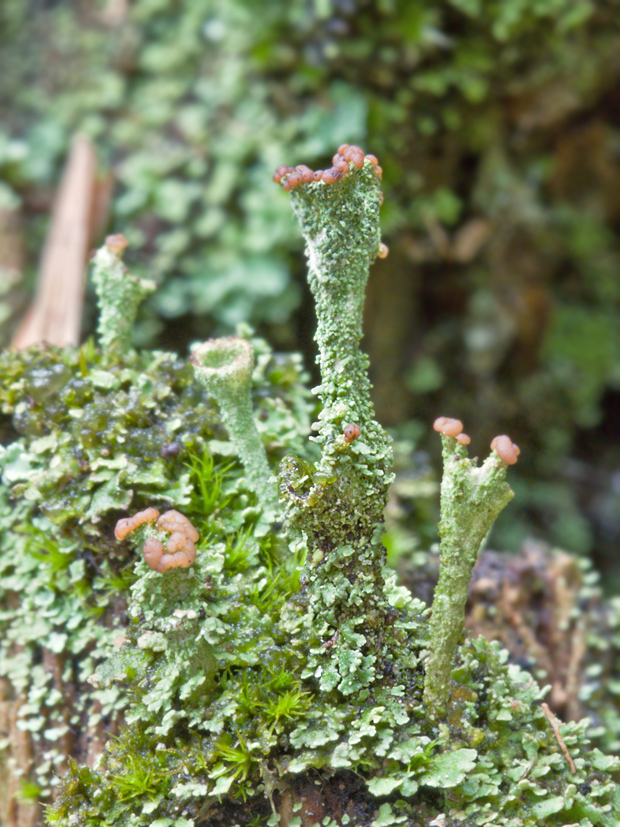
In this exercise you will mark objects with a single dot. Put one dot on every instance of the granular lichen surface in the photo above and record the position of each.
(285, 663)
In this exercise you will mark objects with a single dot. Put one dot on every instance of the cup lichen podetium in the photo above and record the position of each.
(338, 506)
(471, 500)
(224, 367)
(119, 295)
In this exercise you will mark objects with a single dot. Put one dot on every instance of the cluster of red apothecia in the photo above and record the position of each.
(503, 446)
(346, 155)
(180, 550)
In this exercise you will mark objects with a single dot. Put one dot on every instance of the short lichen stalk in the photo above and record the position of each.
(339, 505)
(119, 295)
(471, 500)
(224, 367)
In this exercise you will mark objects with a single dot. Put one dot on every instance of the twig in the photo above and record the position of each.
(55, 315)
(529, 768)
(573, 672)
(556, 731)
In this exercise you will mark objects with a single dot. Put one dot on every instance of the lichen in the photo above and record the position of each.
(89, 435)
(471, 500)
(119, 295)
(280, 679)
(338, 506)
(224, 367)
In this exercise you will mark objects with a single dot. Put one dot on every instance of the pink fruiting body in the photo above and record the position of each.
(447, 426)
(505, 449)
(128, 524)
(291, 177)
(351, 432)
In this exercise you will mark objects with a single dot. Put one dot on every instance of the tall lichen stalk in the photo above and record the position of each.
(339, 505)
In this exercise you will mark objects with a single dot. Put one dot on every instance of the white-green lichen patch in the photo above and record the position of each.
(279, 680)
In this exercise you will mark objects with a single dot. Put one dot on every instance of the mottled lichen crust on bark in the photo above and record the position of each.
(224, 367)
(471, 499)
(119, 295)
(339, 505)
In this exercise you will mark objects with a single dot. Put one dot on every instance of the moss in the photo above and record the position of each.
(94, 429)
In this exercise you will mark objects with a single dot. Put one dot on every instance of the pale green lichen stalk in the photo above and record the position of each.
(119, 295)
(471, 499)
(224, 367)
(339, 504)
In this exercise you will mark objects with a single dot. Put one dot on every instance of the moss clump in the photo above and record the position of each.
(94, 432)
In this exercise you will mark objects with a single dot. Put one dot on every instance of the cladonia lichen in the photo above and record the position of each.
(471, 500)
(338, 505)
(119, 295)
(224, 367)
(277, 675)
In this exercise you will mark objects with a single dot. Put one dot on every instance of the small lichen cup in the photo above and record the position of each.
(224, 367)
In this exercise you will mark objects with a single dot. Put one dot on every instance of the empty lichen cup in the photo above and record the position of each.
(224, 367)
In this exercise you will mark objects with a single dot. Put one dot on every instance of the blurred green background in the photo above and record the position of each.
(497, 124)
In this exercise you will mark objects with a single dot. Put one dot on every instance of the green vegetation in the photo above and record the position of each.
(497, 123)
(224, 367)
(285, 663)
(90, 433)
(120, 295)
(293, 671)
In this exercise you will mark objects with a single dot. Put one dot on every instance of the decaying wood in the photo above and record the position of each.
(539, 606)
(11, 266)
(15, 812)
(11, 244)
(534, 605)
(21, 753)
(55, 316)
(114, 12)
